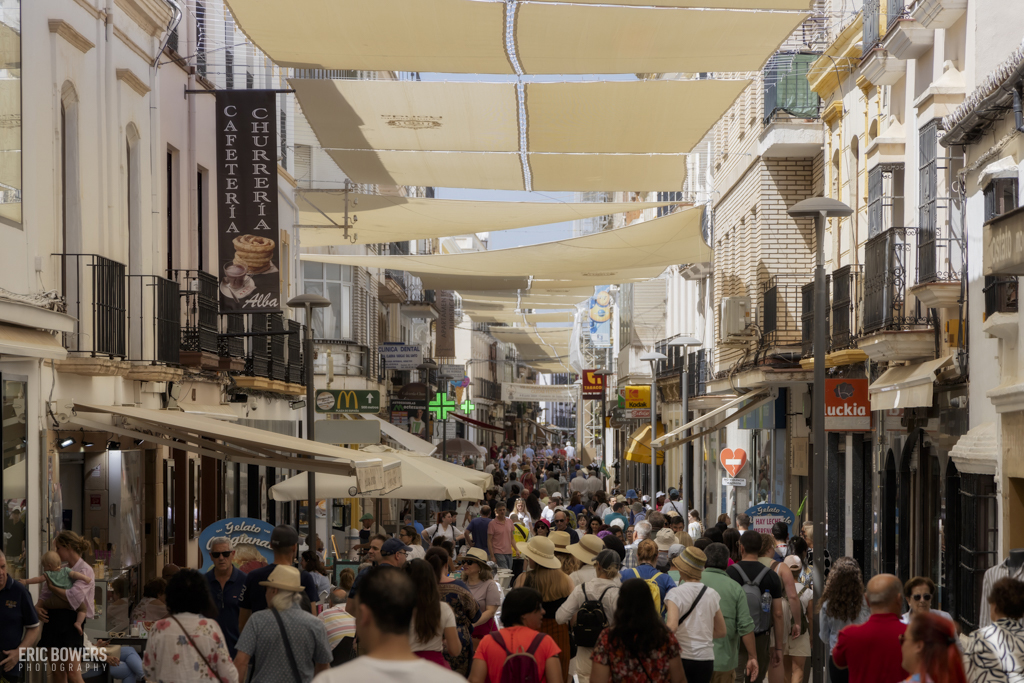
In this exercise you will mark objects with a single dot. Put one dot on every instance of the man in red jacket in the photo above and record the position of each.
(872, 651)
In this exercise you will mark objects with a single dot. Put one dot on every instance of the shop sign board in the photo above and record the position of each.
(1003, 244)
(243, 531)
(347, 401)
(847, 405)
(637, 414)
(248, 240)
(734, 481)
(401, 356)
(537, 392)
(632, 397)
(444, 346)
(593, 385)
(764, 515)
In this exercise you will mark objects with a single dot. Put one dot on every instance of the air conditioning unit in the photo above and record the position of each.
(695, 271)
(735, 315)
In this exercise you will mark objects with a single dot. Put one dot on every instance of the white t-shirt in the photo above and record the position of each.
(368, 668)
(570, 452)
(434, 644)
(696, 634)
(674, 505)
(547, 514)
(693, 528)
(435, 530)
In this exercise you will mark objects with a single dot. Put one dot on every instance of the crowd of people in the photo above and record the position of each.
(548, 579)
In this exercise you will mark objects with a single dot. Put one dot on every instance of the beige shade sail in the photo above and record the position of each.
(654, 244)
(421, 115)
(661, 116)
(386, 218)
(460, 282)
(729, 4)
(503, 170)
(595, 39)
(442, 36)
(528, 318)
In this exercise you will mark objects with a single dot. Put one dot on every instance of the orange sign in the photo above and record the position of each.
(733, 460)
(593, 384)
(847, 405)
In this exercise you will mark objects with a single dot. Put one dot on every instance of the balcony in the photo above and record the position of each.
(154, 328)
(392, 289)
(791, 109)
(96, 296)
(1001, 310)
(894, 328)
(847, 306)
(421, 303)
(199, 344)
(935, 14)
(270, 350)
(487, 390)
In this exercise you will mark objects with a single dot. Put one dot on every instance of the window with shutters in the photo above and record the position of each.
(1000, 290)
(334, 282)
(885, 198)
(928, 174)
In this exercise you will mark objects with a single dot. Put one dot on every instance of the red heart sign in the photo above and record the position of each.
(733, 460)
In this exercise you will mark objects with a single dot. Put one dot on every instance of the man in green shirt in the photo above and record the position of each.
(738, 623)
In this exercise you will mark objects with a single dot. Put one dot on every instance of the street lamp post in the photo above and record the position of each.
(684, 392)
(653, 358)
(308, 302)
(819, 208)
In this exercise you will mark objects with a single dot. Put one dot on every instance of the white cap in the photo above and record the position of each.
(617, 522)
(646, 499)
(660, 494)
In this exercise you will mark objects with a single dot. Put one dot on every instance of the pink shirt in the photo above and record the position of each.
(500, 536)
(81, 591)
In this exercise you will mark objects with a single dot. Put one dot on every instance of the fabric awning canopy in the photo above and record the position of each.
(647, 247)
(207, 410)
(232, 442)
(460, 36)
(406, 440)
(458, 282)
(479, 424)
(458, 116)
(745, 404)
(503, 170)
(639, 449)
(30, 343)
(527, 318)
(387, 218)
(907, 386)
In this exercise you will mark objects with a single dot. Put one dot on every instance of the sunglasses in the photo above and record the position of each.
(922, 596)
(226, 553)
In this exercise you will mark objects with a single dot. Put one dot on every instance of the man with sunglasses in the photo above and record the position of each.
(226, 582)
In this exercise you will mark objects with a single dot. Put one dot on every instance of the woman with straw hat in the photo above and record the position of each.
(544, 574)
(563, 542)
(585, 551)
(476, 574)
(603, 588)
(693, 614)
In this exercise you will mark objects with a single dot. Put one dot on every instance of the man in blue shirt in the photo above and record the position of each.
(477, 528)
(647, 556)
(284, 541)
(19, 623)
(226, 583)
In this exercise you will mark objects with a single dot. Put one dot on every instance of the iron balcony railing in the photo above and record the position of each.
(807, 316)
(786, 88)
(154, 319)
(847, 302)
(886, 267)
(485, 388)
(278, 344)
(1000, 295)
(229, 342)
(199, 290)
(872, 24)
(780, 310)
(675, 360)
(95, 293)
(295, 368)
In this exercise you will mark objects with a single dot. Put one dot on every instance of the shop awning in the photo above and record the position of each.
(207, 410)
(479, 424)
(30, 343)
(639, 449)
(907, 386)
(235, 443)
(387, 218)
(745, 404)
(457, 36)
(406, 440)
(649, 246)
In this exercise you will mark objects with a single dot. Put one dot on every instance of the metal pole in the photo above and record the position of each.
(604, 450)
(310, 417)
(820, 446)
(654, 435)
(684, 393)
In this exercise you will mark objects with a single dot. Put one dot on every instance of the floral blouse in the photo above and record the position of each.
(625, 668)
(170, 658)
(995, 653)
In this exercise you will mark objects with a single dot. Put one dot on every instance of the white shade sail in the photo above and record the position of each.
(648, 246)
(464, 36)
(728, 4)
(503, 170)
(460, 282)
(387, 218)
(528, 318)
(483, 117)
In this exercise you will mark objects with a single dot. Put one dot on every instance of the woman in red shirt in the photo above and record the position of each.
(521, 615)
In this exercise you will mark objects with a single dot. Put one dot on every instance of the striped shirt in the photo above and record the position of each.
(340, 624)
(1000, 571)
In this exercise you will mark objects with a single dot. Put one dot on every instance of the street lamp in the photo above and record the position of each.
(653, 358)
(308, 302)
(819, 208)
(685, 341)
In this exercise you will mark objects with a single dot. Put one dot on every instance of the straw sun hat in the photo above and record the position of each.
(284, 578)
(541, 550)
(690, 562)
(587, 549)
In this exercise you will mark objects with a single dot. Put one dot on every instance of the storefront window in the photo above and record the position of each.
(10, 112)
(14, 476)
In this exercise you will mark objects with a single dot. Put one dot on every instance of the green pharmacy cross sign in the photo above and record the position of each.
(441, 406)
(467, 406)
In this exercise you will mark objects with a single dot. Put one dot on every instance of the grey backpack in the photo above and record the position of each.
(752, 589)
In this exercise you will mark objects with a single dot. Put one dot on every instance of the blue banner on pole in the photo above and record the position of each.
(764, 515)
(245, 533)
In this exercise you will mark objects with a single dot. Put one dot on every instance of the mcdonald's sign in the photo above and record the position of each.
(347, 401)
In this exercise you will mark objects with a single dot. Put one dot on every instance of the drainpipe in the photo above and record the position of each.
(155, 137)
(191, 167)
(110, 116)
(1018, 110)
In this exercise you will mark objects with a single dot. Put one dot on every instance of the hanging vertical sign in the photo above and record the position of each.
(247, 201)
(445, 324)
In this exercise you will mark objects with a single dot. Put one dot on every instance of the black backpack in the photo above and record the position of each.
(590, 620)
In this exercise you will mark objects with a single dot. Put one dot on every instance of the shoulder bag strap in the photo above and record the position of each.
(694, 604)
(191, 642)
(287, 645)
